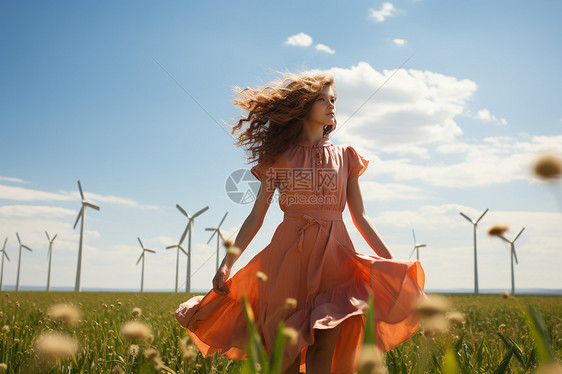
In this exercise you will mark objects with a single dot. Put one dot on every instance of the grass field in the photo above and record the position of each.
(494, 337)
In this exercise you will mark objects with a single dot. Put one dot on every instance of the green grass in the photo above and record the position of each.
(496, 336)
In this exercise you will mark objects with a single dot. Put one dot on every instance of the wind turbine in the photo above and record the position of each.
(513, 255)
(416, 247)
(19, 261)
(82, 214)
(50, 254)
(190, 228)
(475, 256)
(2, 254)
(179, 247)
(216, 230)
(142, 257)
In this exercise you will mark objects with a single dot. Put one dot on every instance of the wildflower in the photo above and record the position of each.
(53, 345)
(189, 353)
(117, 370)
(291, 335)
(429, 307)
(153, 356)
(506, 295)
(136, 313)
(290, 303)
(497, 230)
(435, 325)
(65, 313)
(455, 317)
(5, 329)
(548, 167)
(371, 360)
(133, 350)
(550, 368)
(233, 251)
(261, 276)
(135, 330)
(3, 368)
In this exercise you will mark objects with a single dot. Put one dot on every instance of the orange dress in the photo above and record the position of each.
(311, 259)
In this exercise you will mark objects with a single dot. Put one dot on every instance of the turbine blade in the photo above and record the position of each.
(482, 215)
(465, 216)
(519, 234)
(79, 215)
(215, 231)
(54, 237)
(414, 233)
(26, 247)
(507, 241)
(200, 212)
(48, 238)
(19, 240)
(413, 250)
(183, 250)
(222, 220)
(81, 192)
(514, 254)
(140, 258)
(420, 245)
(92, 206)
(171, 246)
(184, 233)
(5, 254)
(5, 241)
(142, 246)
(150, 250)
(182, 210)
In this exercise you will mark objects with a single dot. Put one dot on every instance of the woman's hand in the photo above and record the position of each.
(219, 281)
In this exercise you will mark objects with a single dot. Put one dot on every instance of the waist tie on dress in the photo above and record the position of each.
(314, 217)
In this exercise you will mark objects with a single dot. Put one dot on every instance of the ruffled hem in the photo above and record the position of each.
(217, 323)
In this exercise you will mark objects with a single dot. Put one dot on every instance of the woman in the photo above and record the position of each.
(309, 275)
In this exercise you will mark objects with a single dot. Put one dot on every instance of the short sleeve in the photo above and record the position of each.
(357, 163)
(258, 170)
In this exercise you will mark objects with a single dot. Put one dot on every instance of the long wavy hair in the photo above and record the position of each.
(276, 113)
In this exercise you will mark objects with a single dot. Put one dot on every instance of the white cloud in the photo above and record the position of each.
(486, 116)
(386, 10)
(324, 48)
(301, 39)
(28, 194)
(399, 42)
(14, 180)
(13, 211)
(373, 191)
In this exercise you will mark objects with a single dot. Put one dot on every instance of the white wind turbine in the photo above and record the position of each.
(82, 214)
(179, 247)
(142, 257)
(19, 261)
(2, 254)
(513, 255)
(475, 256)
(416, 247)
(190, 228)
(50, 254)
(216, 230)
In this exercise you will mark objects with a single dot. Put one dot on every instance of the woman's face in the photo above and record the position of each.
(324, 108)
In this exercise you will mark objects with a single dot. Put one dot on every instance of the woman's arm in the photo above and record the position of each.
(254, 221)
(362, 221)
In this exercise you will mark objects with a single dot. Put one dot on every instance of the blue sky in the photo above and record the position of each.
(455, 129)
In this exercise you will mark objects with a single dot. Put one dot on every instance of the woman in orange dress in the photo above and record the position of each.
(314, 279)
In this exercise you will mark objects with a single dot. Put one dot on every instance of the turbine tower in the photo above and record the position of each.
(82, 214)
(513, 255)
(216, 230)
(50, 254)
(475, 255)
(19, 261)
(416, 247)
(2, 254)
(190, 228)
(179, 247)
(142, 257)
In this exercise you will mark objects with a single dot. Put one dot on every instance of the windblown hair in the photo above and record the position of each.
(276, 113)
